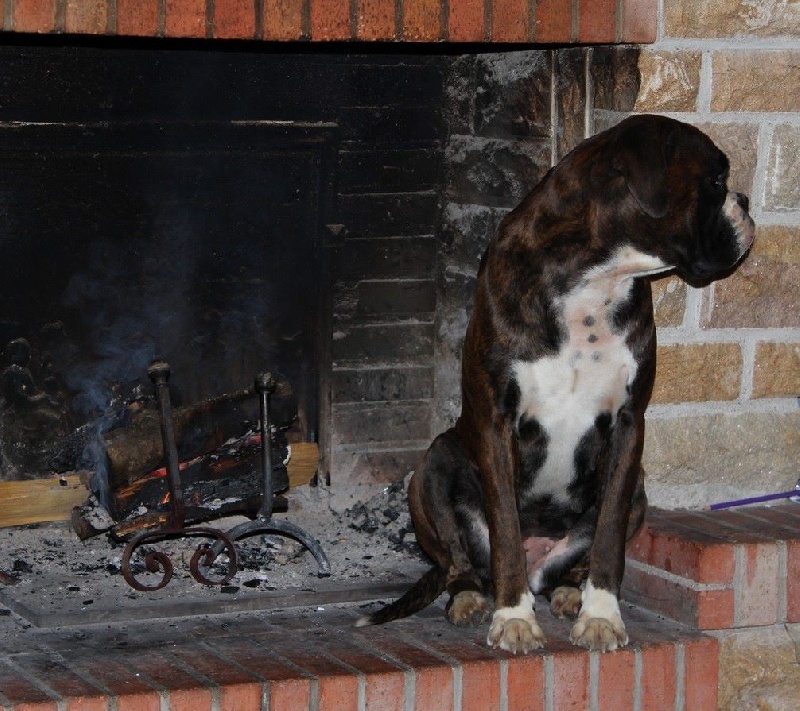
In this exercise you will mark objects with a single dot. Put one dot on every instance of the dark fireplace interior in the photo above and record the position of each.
(315, 211)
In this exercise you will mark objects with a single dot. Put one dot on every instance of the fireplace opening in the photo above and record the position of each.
(313, 210)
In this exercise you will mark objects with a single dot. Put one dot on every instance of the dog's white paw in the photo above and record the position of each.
(515, 629)
(468, 609)
(599, 627)
(597, 634)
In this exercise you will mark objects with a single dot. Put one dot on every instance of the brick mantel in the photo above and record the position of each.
(506, 21)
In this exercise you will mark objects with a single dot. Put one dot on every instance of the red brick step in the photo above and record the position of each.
(718, 570)
(318, 660)
(687, 572)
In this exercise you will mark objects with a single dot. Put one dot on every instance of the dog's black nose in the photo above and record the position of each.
(743, 202)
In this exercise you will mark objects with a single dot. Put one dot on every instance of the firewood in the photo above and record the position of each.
(136, 449)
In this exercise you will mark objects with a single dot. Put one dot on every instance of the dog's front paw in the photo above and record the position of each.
(565, 602)
(515, 629)
(599, 627)
(468, 608)
(599, 634)
(516, 635)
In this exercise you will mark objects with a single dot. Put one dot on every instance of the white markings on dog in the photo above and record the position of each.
(478, 527)
(591, 372)
(596, 602)
(523, 610)
(742, 223)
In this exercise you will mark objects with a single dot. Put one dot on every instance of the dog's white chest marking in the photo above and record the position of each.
(591, 373)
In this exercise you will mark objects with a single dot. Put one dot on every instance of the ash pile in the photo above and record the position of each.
(386, 515)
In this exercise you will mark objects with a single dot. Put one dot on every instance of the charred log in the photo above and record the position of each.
(135, 450)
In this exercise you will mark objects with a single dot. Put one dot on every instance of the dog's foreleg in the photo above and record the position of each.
(599, 626)
(514, 627)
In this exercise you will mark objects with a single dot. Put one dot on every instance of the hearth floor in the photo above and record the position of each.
(315, 658)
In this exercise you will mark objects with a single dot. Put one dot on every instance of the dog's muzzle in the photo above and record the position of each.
(736, 209)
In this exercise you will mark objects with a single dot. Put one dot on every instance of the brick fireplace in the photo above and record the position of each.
(518, 83)
(366, 176)
(478, 98)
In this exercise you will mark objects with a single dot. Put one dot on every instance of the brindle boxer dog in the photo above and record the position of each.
(540, 480)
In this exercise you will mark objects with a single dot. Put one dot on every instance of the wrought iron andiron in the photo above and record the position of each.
(158, 561)
(204, 556)
(265, 385)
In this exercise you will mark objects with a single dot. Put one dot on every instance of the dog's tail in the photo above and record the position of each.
(417, 597)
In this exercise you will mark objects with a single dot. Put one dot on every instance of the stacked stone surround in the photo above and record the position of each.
(724, 421)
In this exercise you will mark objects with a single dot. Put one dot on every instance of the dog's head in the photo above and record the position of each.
(668, 181)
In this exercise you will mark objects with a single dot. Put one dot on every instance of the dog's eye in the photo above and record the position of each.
(719, 182)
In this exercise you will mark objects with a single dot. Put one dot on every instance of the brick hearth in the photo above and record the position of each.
(726, 573)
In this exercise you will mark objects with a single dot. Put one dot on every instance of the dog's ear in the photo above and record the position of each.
(641, 156)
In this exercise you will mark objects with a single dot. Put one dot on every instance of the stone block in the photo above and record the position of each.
(783, 189)
(494, 172)
(358, 466)
(762, 293)
(386, 258)
(460, 88)
(512, 100)
(758, 670)
(777, 370)
(614, 76)
(466, 230)
(381, 422)
(670, 81)
(697, 372)
(669, 301)
(570, 99)
(375, 384)
(700, 459)
(755, 80)
(730, 18)
(739, 141)
(396, 298)
(381, 343)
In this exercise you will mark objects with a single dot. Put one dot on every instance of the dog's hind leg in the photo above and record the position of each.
(444, 499)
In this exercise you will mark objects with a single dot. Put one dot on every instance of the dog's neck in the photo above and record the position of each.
(625, 263)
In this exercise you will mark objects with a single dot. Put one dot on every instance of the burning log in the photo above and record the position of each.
(135, 450)
(229, 474)
(225, 482)
(219, 468)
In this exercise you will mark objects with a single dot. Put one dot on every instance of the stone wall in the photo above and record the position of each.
(724, 422)
(511, 115)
